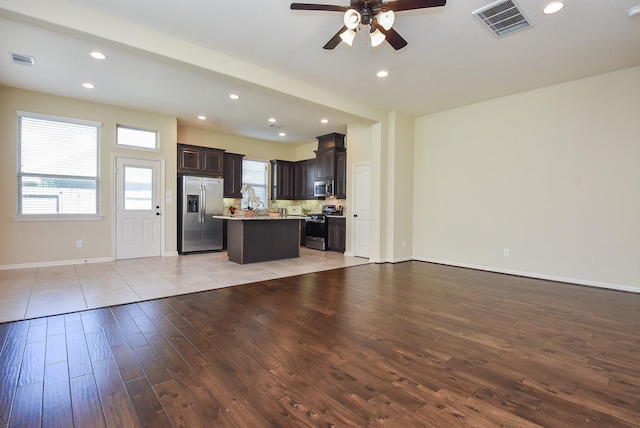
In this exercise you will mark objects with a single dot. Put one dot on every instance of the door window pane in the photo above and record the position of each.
(138, 188)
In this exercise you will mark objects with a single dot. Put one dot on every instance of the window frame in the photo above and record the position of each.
(20, 215)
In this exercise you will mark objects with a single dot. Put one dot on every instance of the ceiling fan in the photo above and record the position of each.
(378, 14)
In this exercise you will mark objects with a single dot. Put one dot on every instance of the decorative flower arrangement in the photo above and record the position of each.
(253, 201)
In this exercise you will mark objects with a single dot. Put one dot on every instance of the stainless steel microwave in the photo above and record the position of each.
(323, 188)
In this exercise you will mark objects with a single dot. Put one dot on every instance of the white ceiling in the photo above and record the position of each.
(184, 57)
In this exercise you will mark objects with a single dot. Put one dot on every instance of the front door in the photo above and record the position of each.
(138, 196)
(361, 210)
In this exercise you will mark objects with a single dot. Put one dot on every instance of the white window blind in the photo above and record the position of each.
(255, 174)
(57, 165)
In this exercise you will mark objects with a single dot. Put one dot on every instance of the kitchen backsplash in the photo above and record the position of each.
(314, 206)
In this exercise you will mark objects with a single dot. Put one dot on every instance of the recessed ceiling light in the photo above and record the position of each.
(98, 55)
(553, 7)
(282, 134)
(234, 96)
(272, 120)
(382, 73)
(88, 85)
(324, 121)
(634, 11)
(202, 117)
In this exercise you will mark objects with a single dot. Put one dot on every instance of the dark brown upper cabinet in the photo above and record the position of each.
(331, 162)
(197, 160)
(340, 180)
(232, 175)
(282, 179)
(295, 180)
(309, 178)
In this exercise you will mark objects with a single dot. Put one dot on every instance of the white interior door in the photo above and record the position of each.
(138, 196)
(361, 210)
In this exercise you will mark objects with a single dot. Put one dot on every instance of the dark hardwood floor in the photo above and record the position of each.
(405, 345)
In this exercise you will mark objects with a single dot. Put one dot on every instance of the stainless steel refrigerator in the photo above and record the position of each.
(199, 198)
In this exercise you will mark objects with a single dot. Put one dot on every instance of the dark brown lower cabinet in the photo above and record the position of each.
(337, 234)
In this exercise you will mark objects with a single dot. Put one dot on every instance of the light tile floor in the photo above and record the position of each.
(38, 292)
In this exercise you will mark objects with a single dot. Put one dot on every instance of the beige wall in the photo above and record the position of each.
(551, 174)
(400, 189)
(306, 150)
(41, 242)
(251, 148)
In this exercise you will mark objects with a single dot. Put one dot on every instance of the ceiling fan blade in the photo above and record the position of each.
(335, 40)
(309, 6)
(400, 5)
(395, 40)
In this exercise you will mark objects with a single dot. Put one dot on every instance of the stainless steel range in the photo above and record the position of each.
(317, 228)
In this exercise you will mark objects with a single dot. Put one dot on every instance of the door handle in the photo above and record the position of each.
(203, 205)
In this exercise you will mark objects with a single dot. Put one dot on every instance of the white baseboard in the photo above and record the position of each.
(400, 260)
(618, 287)
(55, 263)
(71, 262)
(350, 254)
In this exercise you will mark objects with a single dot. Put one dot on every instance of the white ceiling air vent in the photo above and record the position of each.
(503, 17)
(19, 59)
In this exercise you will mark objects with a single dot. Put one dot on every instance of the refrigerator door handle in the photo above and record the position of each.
(203, 192)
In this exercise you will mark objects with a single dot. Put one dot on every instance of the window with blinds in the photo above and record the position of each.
(255, 174)
(57, 165)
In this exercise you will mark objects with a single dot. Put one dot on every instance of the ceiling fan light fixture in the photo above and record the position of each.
(347, 36)
(351, 19)
(377, 37)
(386, 19)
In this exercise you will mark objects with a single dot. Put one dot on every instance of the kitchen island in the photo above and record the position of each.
(262, 238)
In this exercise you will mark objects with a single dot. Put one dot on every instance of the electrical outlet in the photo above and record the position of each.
(79, 244)
(505, 252)
(403, 244)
